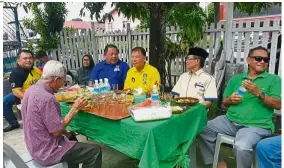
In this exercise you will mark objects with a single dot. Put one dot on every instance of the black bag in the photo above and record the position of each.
(71, 136)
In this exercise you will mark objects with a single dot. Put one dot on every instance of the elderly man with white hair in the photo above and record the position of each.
(44, 127)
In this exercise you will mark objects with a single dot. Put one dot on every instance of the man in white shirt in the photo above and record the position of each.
(196, 83)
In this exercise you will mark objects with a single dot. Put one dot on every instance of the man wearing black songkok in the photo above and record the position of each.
(196, 83)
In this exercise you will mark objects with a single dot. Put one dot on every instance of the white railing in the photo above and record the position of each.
(245, 36)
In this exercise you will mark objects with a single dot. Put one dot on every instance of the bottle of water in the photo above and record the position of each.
(155, 96)
(106, 86)
(102, 86)
(96, 87)
(241, 91)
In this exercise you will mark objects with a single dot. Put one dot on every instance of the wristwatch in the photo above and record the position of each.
(261, 96)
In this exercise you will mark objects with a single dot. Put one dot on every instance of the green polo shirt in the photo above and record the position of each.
(252, 111)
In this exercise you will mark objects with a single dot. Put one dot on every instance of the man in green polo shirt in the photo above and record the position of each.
(249, 116)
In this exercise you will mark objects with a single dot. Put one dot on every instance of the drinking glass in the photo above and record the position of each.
(90, 83)
(114, 87)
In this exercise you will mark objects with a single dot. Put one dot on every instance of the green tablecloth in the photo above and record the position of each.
(158, 144)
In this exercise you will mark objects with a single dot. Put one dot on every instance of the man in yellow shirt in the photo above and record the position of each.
(141, 75)
(21, 78)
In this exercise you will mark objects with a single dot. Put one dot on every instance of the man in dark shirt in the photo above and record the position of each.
(21, 78)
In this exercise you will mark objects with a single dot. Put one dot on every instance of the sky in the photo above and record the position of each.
(74, 11)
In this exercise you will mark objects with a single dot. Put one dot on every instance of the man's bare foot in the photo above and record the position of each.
(222, 164)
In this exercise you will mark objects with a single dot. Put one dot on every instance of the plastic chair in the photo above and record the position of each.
(221, 138)
(12, 160)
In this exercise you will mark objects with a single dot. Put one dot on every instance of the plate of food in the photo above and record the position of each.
(177, 109)
(186, 101)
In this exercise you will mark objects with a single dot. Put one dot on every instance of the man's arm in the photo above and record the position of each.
(52, 117)
(232, 100)
(177, 88)
(210, 93)
(18, 93)
(268, 100)
(207, 104)
(125, 70)
(94, 74)
(67, 119)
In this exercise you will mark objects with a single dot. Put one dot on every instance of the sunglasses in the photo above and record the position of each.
(260, 58)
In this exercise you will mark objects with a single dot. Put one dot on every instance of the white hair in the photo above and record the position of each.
(53, 69)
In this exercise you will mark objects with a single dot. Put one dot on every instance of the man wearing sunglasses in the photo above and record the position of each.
(248, 117)
(196, 83)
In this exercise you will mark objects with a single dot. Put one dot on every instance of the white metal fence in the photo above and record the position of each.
(246, 35)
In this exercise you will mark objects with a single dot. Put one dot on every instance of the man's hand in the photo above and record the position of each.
(235, 98)
(251, 87)
(80, 103)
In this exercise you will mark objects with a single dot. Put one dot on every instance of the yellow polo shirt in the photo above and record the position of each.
(144, 79)
(22, 78)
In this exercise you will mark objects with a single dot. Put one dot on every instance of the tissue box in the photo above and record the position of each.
(151, 113)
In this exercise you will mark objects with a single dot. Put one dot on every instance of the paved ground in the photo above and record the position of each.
(111, 157)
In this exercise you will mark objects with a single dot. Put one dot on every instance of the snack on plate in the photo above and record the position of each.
(186, 101)
(66, 96)
(146, 103)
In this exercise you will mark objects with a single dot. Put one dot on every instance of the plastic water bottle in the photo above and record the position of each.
(155, 96)
(241, 91)
(97, 87)
(102, 86)
(106, 85)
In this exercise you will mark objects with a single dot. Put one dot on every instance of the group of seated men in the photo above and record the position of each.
(248, 117)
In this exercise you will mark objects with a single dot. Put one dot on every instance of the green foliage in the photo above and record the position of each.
(95, 8)
(47, 22)
(211, 14)
(188, 16)
(254, 7)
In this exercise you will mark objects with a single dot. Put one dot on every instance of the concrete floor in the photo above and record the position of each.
(111, 158)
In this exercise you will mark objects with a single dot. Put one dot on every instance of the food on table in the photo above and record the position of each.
(176, 108)
(185, 101)
(66, 96)
(146, 103)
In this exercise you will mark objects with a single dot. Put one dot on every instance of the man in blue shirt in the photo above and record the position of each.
(112, 68)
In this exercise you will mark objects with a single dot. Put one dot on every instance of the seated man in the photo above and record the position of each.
(44, 126)
(248, 118)
(42, 57)
(196, 83)
(21, 78)
(141, 75)
(269, 152)
(112, 68)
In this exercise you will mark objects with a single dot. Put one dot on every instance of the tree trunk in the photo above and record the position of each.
(157, 38)
(216, 13)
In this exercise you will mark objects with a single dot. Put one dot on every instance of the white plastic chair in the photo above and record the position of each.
(12, 160)
(221, 138)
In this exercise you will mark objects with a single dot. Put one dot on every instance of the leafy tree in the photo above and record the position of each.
(47, 21)
(186, 15)
(253, 7)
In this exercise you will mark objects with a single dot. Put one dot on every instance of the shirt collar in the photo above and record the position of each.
(145, 66)
(246, 75)
(105, 63)
(44, 86)
(197, 73)
(24, 69)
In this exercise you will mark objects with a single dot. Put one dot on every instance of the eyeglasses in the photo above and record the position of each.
(188, 59)
(260, 58)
